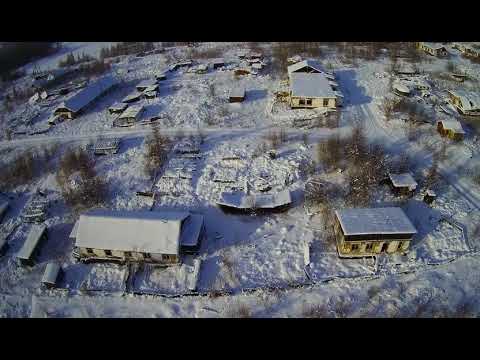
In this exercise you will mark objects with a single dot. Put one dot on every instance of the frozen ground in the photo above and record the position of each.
(247, 261)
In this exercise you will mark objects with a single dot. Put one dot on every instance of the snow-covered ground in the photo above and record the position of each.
(248, 261)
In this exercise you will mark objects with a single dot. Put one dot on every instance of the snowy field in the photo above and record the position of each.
(251, 265)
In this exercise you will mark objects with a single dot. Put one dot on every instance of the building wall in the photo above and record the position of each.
(316, 102)
(133, 256)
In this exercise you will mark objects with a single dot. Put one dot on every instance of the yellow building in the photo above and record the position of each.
(451, 129)
(434, 49)
(368, 232)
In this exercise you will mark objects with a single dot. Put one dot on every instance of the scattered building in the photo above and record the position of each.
(402, 184)
(134, 97)
(218, 63)
(157, 237)
(429, 196)
(451, 129)
(117, 108)
(106, 146)
(129, 116)
(254, 202)
(468, 49)
(35, 211)
(368, 232)
(51, 274)
(434, 49)
(311, 90)
(466, 102)
(181, 64)
(80, 101)
(35, 236)
(146, 84)
(400, 89)
(237, 95)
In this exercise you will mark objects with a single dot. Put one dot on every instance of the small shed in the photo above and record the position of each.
(50, 276)
(35, 236)
(129, 117)
(218, 63)
(451, 129)
(161, 76)
(106, 146)
(237, 95)
(3, 209)
(429, 196)
(117, 108)
(400, 89)
(402, 184)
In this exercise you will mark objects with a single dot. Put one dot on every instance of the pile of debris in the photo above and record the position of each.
(36, 209)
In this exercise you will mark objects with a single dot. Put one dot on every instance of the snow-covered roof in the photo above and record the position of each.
(366, 221)
(401, 88)
(107, 143)
(314, 85)
(453, 125)
(146, 83)
(51, 273)
(148, 231)
(313, 64)
(89, 93)
(262, 201)
(31, 242)
(118, 107)
(238, 92)
(403, 180)
(132, 97)
(132, 112)
(218, 61)
(470, 100)
(433, 45)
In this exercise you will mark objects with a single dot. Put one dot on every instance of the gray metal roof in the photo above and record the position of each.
(403, 180)
(31, 242)
(305, 63)
(88, 94)
(314, 85)
(51, 273)
(132, 112)
(365, 221)
(148, 232)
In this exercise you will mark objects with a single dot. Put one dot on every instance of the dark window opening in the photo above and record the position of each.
(325, 102)
(301, 102)
(89, 251)
(384, 247)
(354, 247)
(309, 101)
(128, 254)
(369, 247)
(108, 252)
(146, 256)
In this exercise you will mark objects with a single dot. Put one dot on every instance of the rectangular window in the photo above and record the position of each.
(301, 102)
(108, 252)
(400, 245)
(354, 247)
(127, 254)
(146, 256)
(89, 251)
(369, 247)
(309, 101)
(325, 102)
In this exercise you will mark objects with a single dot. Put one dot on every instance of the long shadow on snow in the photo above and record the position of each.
(349, 86)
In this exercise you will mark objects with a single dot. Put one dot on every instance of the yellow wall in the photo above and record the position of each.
(316, 102)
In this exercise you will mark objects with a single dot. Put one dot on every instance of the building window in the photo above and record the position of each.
(354, 247)
(369, 247)
(127, 254)
(89, 251)
(325, 102)
(309, 101)
(146, 256)
(108, 252)
(301, 101)
(400, 245)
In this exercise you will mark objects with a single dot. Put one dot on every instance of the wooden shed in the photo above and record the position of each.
(117, 108)
(237, 95)
(106, 146)
(35, 236)
(451, 129)
(51, 274)
(402, 184)
(129, 117)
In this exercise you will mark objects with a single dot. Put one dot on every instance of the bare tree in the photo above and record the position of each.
(387, 107)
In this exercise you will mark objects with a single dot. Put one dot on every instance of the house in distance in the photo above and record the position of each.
(451, 129)
(434, 49)
(371, 231)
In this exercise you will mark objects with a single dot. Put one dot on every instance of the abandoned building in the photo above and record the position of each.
(246, 202)
(51, 274)
(85, 97)
(129, 117)
(106, 146)
(451, 129)
(27, 253)
(466, 102)
(157, 237)
(429, 196)
(143, 85)
(218, 63)
(117, 108)
(434, 49)
(402, 184)
(311, 86)
(400, 89)
(35, 211)
(371, 231)
(468, 49)
(237, 95)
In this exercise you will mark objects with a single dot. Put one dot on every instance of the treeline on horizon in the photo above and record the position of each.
(16, 54)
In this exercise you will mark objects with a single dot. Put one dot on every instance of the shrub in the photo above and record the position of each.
(156, 154)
